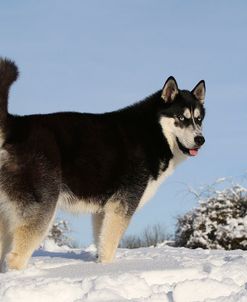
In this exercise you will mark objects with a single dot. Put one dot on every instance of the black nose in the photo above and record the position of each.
(199, 140)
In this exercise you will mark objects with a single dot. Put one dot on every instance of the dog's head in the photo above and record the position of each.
(182, 117)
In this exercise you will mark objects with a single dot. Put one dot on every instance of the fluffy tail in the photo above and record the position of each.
(8, 74)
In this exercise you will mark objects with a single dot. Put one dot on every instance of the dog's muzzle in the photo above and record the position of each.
(199, 141)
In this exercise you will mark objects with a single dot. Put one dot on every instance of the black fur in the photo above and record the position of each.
(8, 74)
(92, 156)
(185, 99)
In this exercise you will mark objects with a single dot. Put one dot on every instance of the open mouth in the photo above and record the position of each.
(190, 152)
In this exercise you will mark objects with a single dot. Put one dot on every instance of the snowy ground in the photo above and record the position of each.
(147, 274)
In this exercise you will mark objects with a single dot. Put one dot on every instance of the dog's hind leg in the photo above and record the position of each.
(97, 221)
(114, 224)
(27, 238)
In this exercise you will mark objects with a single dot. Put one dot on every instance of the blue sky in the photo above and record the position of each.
(98, 56)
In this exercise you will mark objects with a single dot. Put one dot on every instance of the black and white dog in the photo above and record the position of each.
(107, 164)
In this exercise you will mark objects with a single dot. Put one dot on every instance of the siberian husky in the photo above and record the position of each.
(107, 164)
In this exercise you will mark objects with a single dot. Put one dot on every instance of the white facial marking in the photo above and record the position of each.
(185, 135)
(187, 113)
(197, 113)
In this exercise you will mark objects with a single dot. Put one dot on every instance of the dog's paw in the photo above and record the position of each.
(104, 259)
(14, 261)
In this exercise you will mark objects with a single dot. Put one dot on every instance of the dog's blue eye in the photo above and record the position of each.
(180, 117)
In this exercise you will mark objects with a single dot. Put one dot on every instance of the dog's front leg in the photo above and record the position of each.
(114, 224)
(97, 222)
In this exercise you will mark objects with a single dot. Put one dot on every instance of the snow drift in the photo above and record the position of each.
(163, 273)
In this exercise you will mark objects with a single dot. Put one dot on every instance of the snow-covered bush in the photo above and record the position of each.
(60, 234)
(220, 222)
(151, 236)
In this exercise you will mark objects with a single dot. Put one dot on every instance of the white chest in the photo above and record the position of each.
(153, 185)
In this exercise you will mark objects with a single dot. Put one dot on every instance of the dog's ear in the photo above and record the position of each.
(170, 90)
(199, 91)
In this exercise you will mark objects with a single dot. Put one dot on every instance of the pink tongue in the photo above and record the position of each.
(193, 152)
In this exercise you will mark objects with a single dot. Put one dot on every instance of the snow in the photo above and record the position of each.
(164, 273)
